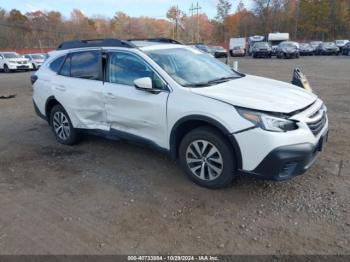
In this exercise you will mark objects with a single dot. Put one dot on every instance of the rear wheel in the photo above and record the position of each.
(207, 158)
(62, 126)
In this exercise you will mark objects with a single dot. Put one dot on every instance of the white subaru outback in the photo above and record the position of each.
(217, 122)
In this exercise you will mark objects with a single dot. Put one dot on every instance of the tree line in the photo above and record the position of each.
(303, 19)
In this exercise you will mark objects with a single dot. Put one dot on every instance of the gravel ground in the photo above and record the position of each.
(109, 197)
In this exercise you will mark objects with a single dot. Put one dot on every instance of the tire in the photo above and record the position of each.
(62, 126)
(212, 168)
(6, 69)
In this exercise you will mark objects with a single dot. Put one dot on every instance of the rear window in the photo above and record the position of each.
(85, 65)
(56, 64)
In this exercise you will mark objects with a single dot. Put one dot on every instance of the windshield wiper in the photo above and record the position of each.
(222, 79)
(212, 82)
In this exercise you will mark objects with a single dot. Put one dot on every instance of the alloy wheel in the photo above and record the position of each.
(204, 160)
(61, 125)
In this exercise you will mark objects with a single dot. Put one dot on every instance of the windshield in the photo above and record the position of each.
(191, 68)
(11, 55)
(329, 44)
(38, 57)
(261, 45)
(315, 43)
(287, 45)
(203, 48)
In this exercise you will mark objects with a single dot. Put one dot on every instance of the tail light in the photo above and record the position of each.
(33, 78)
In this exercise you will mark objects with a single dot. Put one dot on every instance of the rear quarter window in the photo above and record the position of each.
(56, 64)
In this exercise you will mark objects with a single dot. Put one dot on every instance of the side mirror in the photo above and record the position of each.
(144, 83)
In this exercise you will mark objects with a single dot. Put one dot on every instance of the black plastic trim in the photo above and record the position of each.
(37, 111)
(300, 157)
(210, 121)
(115, 134)
(110, 42)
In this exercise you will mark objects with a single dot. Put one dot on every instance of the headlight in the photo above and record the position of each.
(268, 122)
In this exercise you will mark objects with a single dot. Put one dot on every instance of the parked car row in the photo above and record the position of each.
(12, 61)
(290, 49)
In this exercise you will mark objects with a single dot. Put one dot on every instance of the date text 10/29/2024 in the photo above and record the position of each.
(173, 258)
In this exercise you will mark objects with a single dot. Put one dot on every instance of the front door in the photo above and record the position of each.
(132, 111)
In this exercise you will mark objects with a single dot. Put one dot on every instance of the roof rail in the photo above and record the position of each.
(109, 42)
(158, 40)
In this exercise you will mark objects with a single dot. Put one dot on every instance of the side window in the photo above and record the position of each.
(85, 65)
(56, 64)
(124, 68)
(65, 70)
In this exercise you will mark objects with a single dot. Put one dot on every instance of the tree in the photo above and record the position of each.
(223, 9)
(176, 16)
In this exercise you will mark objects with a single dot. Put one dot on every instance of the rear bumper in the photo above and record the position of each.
(286, 162)
(37, 111)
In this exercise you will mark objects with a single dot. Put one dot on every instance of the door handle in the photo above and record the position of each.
(60, 88)
(110, 95)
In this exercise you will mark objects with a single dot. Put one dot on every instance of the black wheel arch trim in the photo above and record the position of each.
(174, 144)
(48, 101)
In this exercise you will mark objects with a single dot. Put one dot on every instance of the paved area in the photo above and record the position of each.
(108, 197)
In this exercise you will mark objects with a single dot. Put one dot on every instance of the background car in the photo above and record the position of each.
(36, 59)
(202, 47)
(315, 44)
(262, 49)
(218, 51)
(11, 61)
(346, 49)
(340, 44)
(327, 48)
(237, 51)
(306, 49)
(287, 50)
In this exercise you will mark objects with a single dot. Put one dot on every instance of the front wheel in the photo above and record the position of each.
(207, 158)
(62, 126)
(6, 69)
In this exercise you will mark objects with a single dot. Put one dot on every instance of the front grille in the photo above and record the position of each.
(317, 126)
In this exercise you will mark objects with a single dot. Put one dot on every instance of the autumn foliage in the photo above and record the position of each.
(303, 19)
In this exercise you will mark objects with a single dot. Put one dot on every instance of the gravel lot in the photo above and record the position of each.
(109, 197)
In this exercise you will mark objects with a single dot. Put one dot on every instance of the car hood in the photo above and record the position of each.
(38, 60)
(260, 94)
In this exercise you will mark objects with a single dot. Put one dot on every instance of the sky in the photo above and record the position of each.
(107, 8)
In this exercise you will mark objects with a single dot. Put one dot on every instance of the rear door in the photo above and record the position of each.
(132, 111)
(78, 86)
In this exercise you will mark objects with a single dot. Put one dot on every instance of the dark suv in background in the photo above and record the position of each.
(287, 50)
(261, 49)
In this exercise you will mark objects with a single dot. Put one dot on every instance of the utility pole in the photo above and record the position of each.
(297, 20)
(192, 21)
(196, 8)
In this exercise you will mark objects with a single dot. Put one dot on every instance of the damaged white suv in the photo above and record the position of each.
(217, 122)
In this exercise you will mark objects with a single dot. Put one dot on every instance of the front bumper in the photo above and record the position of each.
(20, 66)
(286, 162)
(262, 53)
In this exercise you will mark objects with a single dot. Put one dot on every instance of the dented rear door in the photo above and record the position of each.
(78, 87)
